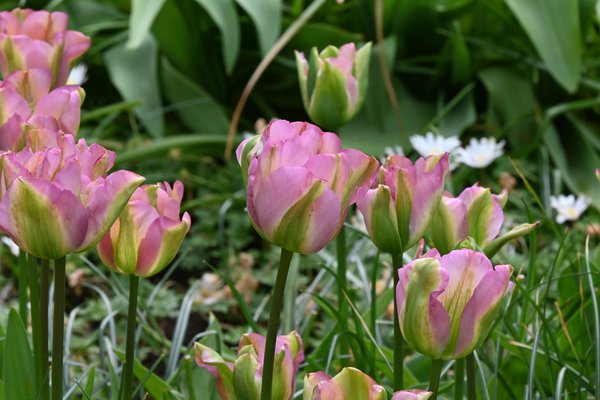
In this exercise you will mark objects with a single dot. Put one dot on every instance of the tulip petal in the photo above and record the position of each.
(380, 218)
(449, 225)
(480, 311)
(246, 380)
(414, 394)
(311, 382)
(210, 360)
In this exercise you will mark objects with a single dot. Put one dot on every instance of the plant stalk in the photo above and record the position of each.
(23, 286)
(134, 283)
(398, 338)
(58, 329)
(44, 354)
(342, 287)
(434, 379)
(274, 316)
(34, 299)
(471, 378)
(459, 379)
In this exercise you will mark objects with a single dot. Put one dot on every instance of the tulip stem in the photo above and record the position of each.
(342, 286)
(58, 329)
(434, 379)
(459, 378)
(398, 339)
(34, 293)
(44, 357)
(134, 282)
(274, 316)
(471, 378)
(23, 286)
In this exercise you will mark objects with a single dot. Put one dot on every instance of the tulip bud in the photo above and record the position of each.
(598, 173)
(61, 200)
(349, 384)
(148, 233)
(447, 304)
(39, 39)
(333, 83)
(414, 394)
(398, 210)
(242, 379)
(301, 183)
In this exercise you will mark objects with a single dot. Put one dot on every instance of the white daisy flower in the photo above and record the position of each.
(12, 246)
(568, 207)
(480, 153)
(78, 75)
(431, 144)
(391, 151)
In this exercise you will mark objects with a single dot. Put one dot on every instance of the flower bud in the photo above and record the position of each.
(333, 83)
(414, 394)
(242, 379)
(148, 233)
(349, 384)
(447, 304)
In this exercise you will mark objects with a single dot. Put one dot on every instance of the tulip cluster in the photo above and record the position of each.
(242, 379)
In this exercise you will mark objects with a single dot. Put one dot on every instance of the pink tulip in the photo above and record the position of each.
(447, 304)
(39, 39)
(349, 384)
(60, 200)
(242, 379)
(301, 183)
(399, 208)
(149, 232)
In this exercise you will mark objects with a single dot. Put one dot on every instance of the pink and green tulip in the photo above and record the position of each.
(398, 209)
(447, 304)
(39, 39)
(333, 83)
(242, 379)
(148, 233)
(476, 214)
(301, 183)
(61, 200)
(349, 384)
(414, 394)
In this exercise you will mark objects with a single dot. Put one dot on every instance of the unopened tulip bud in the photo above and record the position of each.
(333, 83)
(349, 384)
(414, 394)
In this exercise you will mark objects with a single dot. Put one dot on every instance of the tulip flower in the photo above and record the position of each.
(39, 39)
(242, 379)
(399, 208)
(301, 183)
(447, 304)
(60, 200)
(148, 233)
(349, 384)
(414, 394)
(333, 83)
(476, 214)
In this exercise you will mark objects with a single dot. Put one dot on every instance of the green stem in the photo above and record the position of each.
(471, 378)
(44, 355)
(398, 338)
(374, 302)
(269, 357)
(34, 299)
(434, 379)
(58, 329)
(134, 282)
(459, 378)
(342, 287)
(23, 286)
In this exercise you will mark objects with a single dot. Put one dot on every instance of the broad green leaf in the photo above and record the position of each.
(317, 34)
(142, 16)
(134, 74)
(90, 16)
(18, 361)
(553, 27)
(196, 107)
(266, 15)
(224, 14)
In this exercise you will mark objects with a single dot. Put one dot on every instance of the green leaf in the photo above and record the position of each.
(196, 107)
(266, 15)
(134, 74)
(553, 27)
(156, 387)
(224, 14)
(142, 16)
(18, 361)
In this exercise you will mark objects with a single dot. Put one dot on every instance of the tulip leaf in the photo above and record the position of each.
(225, 16)
(142, 16)
(156, 387)
(125, 67)
(18, 361)
(266, 15)
(196, 107)
(553, 27)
